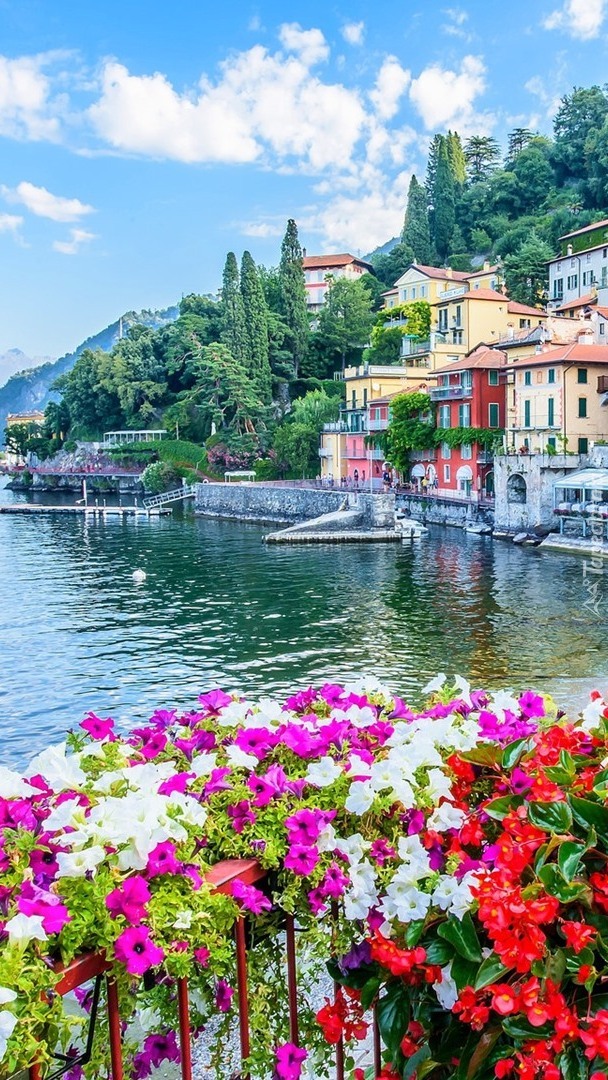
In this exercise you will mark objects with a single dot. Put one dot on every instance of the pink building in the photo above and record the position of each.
(317, 268)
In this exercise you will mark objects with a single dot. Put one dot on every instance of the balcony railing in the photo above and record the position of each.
(444, 393)
(377, 423)
(423, 455)
(410, 347)
(485, 457)
(338, 425)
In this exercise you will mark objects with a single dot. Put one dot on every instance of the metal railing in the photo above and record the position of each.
(188, 491)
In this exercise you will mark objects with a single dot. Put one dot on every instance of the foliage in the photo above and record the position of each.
(296, 449)
(17, 437)
(293, 295)
(416, 233)
(462, 848)
(159, 476)
(443, 200)
(526, 271)
(315, 409)
(482, 155)
(389, 267)
(345, 320)
(255, 314)
(490, 438)
(411, 427)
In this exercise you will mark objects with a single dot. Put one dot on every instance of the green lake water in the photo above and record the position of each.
(219, 608)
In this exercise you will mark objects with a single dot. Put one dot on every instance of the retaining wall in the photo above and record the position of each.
(266, 502)
(438, 511)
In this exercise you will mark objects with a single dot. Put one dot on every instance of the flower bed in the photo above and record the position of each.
(449, 865)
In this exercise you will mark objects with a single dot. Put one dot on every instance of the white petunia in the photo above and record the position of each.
(464, 687)
(148, 776)
(358, 767)
(239, 759)
(24, 928)
(435, 684)
(234, 714)
(60, 771)
(501, 701)
(445, 817)
(361, 717)
(7, 995)
(79, 863)
(183, 920)
(65, 814)
(104, 783)
(8, 1023)
(322, 773)
(353, 846)
(446, 990)
(438, 785)
(360, 797)
(13, 786)
(592, 715)
(203, 764)
(405, 902)
(326, 840)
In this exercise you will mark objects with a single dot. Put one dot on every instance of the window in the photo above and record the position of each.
(588, 277)
(582, 407)
(444, 416)
(551, 412)
(466, 451)
(492, 378)
(602, 329)
(528, 378)
(446, 473)
(558, 266)
(446, 451)
(604, 277)
(423, 291)
(572, 281)
(443, 320)
(457, 336)
(527, 413)
(539, 377)
(583, 446)
(467, 379)
(572, 262)
(353, 400)
(551, 442)
(551, 375)
(458, 316)
(493, 415)
(605, 253)
(320, 275)
(413, 292)
(558, 289)
(464, 416)
(524, 324)
(364, 396)
(581, 375)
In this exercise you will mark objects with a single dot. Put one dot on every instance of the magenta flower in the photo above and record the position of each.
(162, 860)
(300, 702)
(381, 851)
(35, 901)
(202, 956)
(531, 704)
(242, 815)
(214, 701)
(98, 728)
(152, 742)
(179, 782)
(223, 996)
(129, 899)
(159, 1048)
(191, 871)
(335, 882)
(256, 741)
(43, 863)
(163, 718)
(289, 1061)
(302, 860)
(217, 781)
(317, 901)
(300, 741)
(250, 898)
(135, 949)
(304, 826)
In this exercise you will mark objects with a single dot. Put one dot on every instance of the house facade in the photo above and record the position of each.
(469, 394)
(318, 268)
(560, 399)
(578, 276)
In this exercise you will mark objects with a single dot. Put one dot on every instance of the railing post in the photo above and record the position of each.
(184, 1028)
(241, 979)
(114, 1027)
(292, 979)
(340, 1043)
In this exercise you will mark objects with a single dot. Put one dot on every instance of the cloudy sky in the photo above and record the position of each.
(141, 141)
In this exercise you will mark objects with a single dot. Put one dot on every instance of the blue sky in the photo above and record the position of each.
(139, 142)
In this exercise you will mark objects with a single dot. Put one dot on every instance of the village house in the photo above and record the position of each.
(318, 268)
(578, 276)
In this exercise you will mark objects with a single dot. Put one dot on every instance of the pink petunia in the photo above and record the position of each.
(250, 898)
(241, 815)
(135, 949)
(223, 996)
(129, 899)
(35, 901)
(162, 860)
(289, 1061)
(301, 859)
(97, 728)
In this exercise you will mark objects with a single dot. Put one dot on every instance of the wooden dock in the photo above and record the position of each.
(88, 511)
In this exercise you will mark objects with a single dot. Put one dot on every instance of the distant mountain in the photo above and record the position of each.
(31, 388)
(384, 249)
(14, 360)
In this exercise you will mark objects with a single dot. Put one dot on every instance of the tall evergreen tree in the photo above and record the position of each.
(233, 333)
(443, 217)
(482, 156)
(431, 168)
(294, 294)
(517, 140)
(456, 158)
(256, 327)
(416, 232)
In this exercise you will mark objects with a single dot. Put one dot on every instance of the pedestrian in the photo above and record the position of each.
(356, 477)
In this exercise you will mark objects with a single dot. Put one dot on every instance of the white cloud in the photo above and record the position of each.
(41, 202)
(444, 97)
(261, 103)
(310, 45)
(25, 105)
(581, 19)
(10, 223)
(360, 221)
(261, 230)
(78, 237)
(454, 23)
(254, 24)
(353, 33)
(391, 83)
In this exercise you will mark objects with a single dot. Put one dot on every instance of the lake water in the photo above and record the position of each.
(219, 608)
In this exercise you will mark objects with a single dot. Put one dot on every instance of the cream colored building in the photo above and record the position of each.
(560, 393)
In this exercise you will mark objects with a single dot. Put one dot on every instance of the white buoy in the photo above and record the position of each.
(139, 576)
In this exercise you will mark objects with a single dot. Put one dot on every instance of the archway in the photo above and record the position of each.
(517, 491)
(464, 479)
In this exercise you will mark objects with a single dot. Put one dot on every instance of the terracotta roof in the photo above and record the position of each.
(583, 301)
(480, 273)
(566, 354)
(481, 357)
(586, 228)
(386, 400)
(524, 309)
(520, 337)
(440, 272)
(390, 292)
(482, 294)
(603, 311)
(311, 261)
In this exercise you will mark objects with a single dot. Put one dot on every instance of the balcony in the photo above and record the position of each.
(423, 455)
(377, 424)
(325, 453)
(447, 393)
(338, 426)
(414, 347)
(485, 457)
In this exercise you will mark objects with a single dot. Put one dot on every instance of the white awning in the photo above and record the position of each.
(591, 479)
(418, 472)
(464, 473)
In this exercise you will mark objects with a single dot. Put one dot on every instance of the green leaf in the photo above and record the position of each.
(556, 885)
(499, 808)
(564, 771)
(369, 991)
(414, 932)
(490, 971)
(554, 817)
(573, 1064)
(569, 856)
(393, 1015)
(513, 752)
(590, 813)
(541, 855)
(484, 1048)
(412, 1067)
(461, 933)
(438, 952)
(483, 755)
(520, 1029)
(464, 972)
(356, 978)
(555, 966)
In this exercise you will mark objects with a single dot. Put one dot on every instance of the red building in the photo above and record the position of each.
(470, 393)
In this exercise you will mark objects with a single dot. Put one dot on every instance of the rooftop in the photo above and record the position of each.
(566, 354)
(524, 309)
(309, 262)
(586, 228)
(482, 357)
(583, 301)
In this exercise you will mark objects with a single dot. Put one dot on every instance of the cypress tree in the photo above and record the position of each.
(233, 332)
(456, 158)
(416, 233)
(431, 168)
(256, 327)
(293, 293)
(444, 203)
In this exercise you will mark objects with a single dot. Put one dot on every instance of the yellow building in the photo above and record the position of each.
(560, 394)
(332, 450)
(466, 318)
(29, 419)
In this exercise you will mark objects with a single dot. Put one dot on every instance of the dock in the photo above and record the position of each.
(88, 511)
(356, 536)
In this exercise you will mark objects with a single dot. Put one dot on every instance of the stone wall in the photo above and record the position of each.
(438, 511)
(524, 488)
(272, 503)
